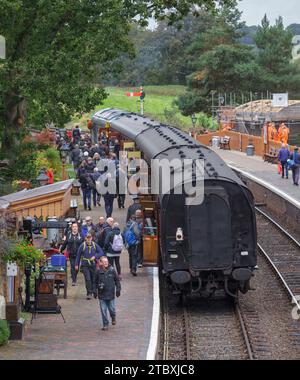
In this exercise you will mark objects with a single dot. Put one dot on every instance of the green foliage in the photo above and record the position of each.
(221, 64)
(4, 332)
(274, 56)
(158, 100)
(49, 159)
(23, 253)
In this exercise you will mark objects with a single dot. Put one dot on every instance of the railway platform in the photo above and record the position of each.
(262, 172)
(81, 338)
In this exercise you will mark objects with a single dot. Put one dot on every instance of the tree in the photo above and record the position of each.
(55, 50)
(219, 62)
(274, 56)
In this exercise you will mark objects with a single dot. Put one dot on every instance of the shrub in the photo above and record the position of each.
(4, 332)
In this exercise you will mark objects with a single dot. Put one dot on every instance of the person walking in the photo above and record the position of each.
(132, 209)
(283, 156)
(106, 229)
(108, 287)
(139, 221)
(113, 247)
(88, 227)
(295, 166)
(96, 196)
(132, 237)
(87, 254)
(76, 133)
(72, 241)
(76, 157)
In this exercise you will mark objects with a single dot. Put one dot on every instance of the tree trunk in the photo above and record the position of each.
(13, 123)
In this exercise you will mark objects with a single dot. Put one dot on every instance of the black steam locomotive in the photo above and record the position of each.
(205, 246)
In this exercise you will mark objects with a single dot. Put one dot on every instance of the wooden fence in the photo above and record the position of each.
(240, 141)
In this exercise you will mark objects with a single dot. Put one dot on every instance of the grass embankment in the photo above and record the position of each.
(158, 105)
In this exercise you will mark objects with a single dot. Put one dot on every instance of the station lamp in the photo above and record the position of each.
(64, 151)
(194, 119)
(42, 178)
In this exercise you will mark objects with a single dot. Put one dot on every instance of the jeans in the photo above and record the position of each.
(284, 169)
(121, 200)
(73, 271)
(96, 197)
(109, 204)
(87, 193)
(140, 256)
(133, 257)
(295, 171)
(115, 260)
(107, 305)
(89, 272)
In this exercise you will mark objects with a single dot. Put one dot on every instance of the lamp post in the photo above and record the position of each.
(194, 120)
(42, 178)
(64, 151)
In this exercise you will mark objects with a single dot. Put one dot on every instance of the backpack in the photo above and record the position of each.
(117, 244)
(93, 245)
(130, 237)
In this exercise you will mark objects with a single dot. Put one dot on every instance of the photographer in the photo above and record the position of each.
(108, 286)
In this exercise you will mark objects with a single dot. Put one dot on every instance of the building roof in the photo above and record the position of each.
(263, 109)
(33, 193)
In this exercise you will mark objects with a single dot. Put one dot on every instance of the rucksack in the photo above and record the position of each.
(117, 244)
(130, 237)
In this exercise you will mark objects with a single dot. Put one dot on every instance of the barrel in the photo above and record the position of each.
(52, 233)
(250, 150)
(215, 142)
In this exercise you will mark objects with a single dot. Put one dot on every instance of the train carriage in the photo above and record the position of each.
(203, 247)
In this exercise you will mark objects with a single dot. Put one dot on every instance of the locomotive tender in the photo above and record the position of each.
(203, 247)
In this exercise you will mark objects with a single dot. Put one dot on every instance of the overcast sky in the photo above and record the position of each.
(254, 10)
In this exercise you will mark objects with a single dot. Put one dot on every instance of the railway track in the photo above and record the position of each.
(282, 252)
(200, 329)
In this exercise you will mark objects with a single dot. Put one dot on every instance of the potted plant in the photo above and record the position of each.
(23, 253)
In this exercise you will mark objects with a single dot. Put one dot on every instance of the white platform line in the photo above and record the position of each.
(152, 348)
(268, 186)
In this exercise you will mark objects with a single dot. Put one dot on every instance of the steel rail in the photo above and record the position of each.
(274, 267)
(278, 226)
(244, 331)
(187, 334)
(277, 272)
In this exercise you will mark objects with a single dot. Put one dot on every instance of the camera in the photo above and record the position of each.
(101, 287)
(179, 234)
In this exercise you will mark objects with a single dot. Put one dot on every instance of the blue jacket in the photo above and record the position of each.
(283, 155)
(296, 157)
(86, 252)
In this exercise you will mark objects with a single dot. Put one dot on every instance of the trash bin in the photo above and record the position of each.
(216, 142)
(250, 150)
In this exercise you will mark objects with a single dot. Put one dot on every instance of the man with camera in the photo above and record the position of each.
(108, 286)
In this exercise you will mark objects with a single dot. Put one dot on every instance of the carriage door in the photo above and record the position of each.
(209, 230)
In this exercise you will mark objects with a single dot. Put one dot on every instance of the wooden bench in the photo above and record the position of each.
(271, 157)
(225, 143)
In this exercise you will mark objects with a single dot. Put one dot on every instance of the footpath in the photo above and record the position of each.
(81, 337)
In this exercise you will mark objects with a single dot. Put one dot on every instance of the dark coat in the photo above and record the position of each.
(75, 156)
(132, 209)
(106, 229)
(72, 243)
(109, 240)
(111, 283)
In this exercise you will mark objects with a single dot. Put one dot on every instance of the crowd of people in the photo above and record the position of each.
(95, 165)
(289, 161)
(95, 250)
